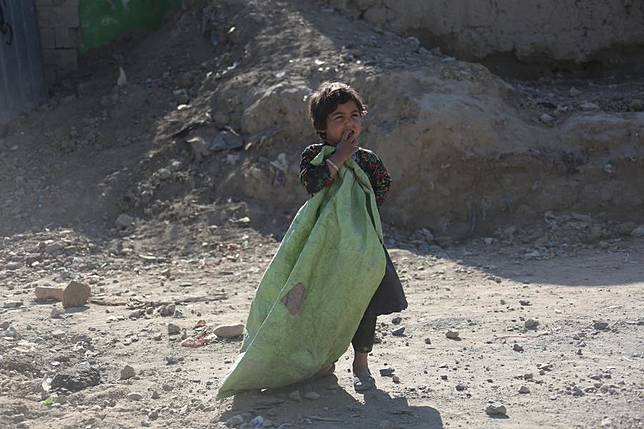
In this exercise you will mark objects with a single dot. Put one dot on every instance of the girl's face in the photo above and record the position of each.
(346, 117)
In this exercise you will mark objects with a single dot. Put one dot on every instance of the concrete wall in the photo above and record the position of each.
(530, 31)
(59, 24)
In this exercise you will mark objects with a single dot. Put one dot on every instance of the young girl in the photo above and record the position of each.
(336, 111)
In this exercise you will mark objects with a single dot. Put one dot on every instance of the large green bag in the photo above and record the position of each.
(318, 285)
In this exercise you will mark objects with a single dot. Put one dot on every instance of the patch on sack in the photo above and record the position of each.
(294, 299)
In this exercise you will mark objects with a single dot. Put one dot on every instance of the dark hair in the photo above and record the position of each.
(326, 99)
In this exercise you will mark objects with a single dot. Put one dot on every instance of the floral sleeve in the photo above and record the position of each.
(313, 177)
(377, 172)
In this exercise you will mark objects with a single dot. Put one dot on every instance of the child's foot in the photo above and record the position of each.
(362, 380)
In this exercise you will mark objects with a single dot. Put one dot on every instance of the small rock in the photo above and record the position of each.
(136, 314)
(600, 325)
(127, 372)
(496, 410)
(76, 294)
(531, 324)
(155, 395)
(77, 378)
(46, 293)
(517, 348)
(395, 379)
(399, 332)
(428, 341)
(638, 232)
(226, 140)
(229, 331)
(164, 173)
(134, 396)
(173, 329)
(589, 106)
(396, 320)
(524, 302)
(295, 396)
(124, 220)
(12, 304)
(547, 119)
(574, 91)
(167, 310)
(235, 421)
(171, 360)
(524, 389)
(387, 372)
(460, 387)
(452, 335)
(312, 396)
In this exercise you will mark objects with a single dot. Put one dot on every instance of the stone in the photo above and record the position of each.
(452, 335)
(136, 314)
(428, 341)
(399, 332)
(638, 232)
(76, 294)
(531, 324)
(517, 348)
(47, 293)
(524, 390)
(496, 409)
(387, 372)
(76, 378)
(124, 221)
(167, 310)
(600, 325)
(155, 395)
(134, 396)
(312, 396)
(164, 173)
(12, 304)
(589, 106)
(127, 372)
(460, 387)
(395, 379)
(295, 396)
(229, 331)
(173, 329)
(396, 320)
(547, 119)
(226, 140)
(235, 421)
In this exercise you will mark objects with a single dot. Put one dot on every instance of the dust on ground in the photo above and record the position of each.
(543, 319)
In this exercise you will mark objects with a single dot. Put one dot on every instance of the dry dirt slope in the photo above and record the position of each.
(97, 151)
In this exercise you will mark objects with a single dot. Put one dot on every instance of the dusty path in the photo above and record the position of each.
(576, 375)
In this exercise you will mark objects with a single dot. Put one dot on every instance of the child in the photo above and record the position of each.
(336, 111)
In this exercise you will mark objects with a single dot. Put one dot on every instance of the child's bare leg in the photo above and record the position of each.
(362, 344)
(360, 362)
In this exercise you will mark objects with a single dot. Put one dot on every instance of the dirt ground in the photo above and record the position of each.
(96, 187)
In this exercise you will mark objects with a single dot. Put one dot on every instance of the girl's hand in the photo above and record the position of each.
(347, 146)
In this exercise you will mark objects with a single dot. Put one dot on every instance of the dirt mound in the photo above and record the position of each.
(214, 108)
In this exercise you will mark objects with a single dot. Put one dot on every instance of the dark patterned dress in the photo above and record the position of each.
(389, 297)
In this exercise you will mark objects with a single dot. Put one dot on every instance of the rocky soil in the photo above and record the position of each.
(167, 195)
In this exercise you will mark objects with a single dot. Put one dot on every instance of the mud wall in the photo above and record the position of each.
(538, 31)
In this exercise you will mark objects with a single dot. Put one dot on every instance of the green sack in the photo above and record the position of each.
(318, 285)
